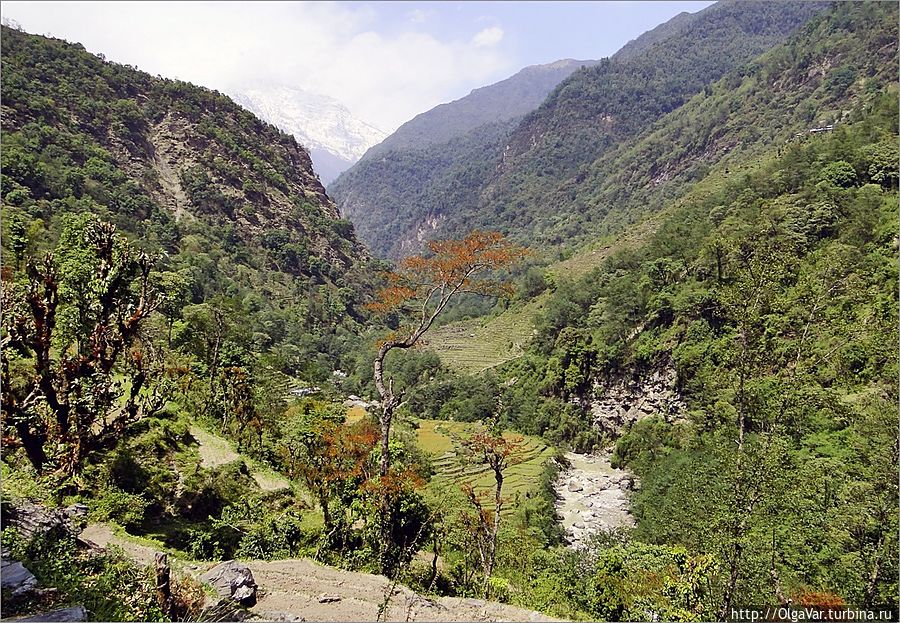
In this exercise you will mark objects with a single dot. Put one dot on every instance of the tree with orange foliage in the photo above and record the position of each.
(421, 290)
(325, 453)
(489, 446)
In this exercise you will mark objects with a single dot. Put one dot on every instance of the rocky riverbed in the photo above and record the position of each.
(592, 496)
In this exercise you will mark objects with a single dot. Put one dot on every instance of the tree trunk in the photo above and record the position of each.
(491, 557)
(33, 445)
(387, 415)
(163, 583)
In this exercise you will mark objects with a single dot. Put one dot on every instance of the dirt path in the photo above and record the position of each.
(103, 536)
(320, 593)
(300, 589)
(216, 451)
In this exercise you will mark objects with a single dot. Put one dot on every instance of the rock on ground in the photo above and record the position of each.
(232, 580)
(72, 613)
(15, 578)
(30, 519)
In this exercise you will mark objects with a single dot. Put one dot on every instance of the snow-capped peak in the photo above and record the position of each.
(318, 122)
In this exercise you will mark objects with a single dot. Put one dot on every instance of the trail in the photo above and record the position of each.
(216, 451)
(301, 589)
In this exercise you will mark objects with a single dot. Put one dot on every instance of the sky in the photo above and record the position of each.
(386, 61)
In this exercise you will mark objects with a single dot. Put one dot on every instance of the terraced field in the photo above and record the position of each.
(437, 438)
(473, 346)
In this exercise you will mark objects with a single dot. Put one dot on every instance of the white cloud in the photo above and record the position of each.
(488, 37)
(329, 48)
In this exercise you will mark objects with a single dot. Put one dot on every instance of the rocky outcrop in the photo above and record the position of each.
(592, 496)
(232, 580)
(620, 402)
(72, 613)
(31, 520)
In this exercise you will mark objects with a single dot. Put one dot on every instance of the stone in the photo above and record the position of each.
(286, 617)
(574, 486)
(16, 579)
(72, 613)
(579, 525)
(232, 580)
(325, 598)
(31, 520)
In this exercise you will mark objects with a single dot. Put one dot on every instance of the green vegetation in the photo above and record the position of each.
(185, 316)
(441, 440)
(521, 179)
(776, 302)
(476, 345)
(110, 587)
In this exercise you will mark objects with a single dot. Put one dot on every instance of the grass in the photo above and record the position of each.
(437, 438)
(355, 414)
(476, 345)
(216, 451)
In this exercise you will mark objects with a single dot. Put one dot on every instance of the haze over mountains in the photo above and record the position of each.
(436, 174)
(334, 138)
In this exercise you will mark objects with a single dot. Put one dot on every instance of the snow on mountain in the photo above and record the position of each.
(334, 137)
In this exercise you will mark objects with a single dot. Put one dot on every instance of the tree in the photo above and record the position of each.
(490, 447)
(419, 292)
(316, 448)
(76, 324)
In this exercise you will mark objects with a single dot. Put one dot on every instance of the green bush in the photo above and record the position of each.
(125, 509)
(108, 585)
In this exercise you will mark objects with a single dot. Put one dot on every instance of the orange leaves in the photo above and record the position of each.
(819, 599)
(395, 483)
(391, 298)
(495, 449)
(452, 266)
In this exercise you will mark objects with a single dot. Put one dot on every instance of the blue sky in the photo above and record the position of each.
(387, 61)
(535, 32)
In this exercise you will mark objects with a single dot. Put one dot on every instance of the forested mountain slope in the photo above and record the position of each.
(230, 204)
(806, 83)
(591, 112)
(502, 101)
(767, 293)
(446, 147)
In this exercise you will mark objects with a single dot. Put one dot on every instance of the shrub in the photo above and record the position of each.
(126, 509)
(110, 587)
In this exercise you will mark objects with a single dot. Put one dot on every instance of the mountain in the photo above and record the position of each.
(445, 147)
(589, 113)
(334, 138)
(502, 101)
(231, 204)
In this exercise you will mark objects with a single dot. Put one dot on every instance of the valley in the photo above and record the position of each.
(607, 340)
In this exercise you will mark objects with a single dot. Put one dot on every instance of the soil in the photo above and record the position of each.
(303, 590)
